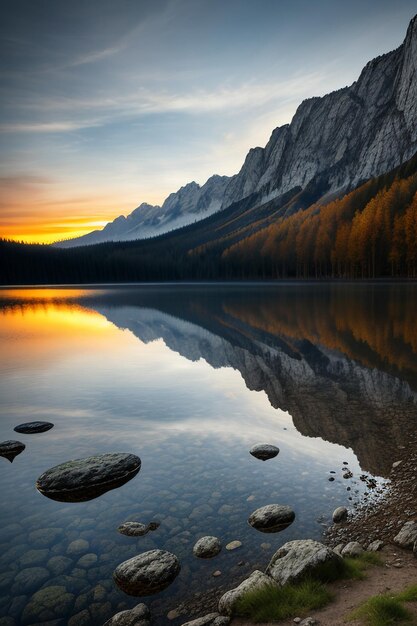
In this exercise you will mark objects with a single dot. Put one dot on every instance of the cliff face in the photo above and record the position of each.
(333, 142)
(346, 137)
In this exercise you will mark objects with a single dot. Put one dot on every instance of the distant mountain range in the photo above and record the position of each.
(333, 144)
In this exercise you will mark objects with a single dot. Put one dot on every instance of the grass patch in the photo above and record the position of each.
(272, 604)
(387, 609)
(349, 568)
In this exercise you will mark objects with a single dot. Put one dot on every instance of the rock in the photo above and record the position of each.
(10, 449)
(207, 547)
(264, 451)
(85, 479)
(297, 620)
(174, 613)
(257, 580)
(226, 509)
(78, 546)
(133, 529)
(147, 573)
(338, 549)
(233, 545)
(58, 564)
(87, 561)
(415, 549)
(138, 616)
(374, 546)
(396, 464)
(33, 557)
(30, 428)
(80, 619)
(352, 549)
(272, 518)
(407, 535)
(29, 579)
(216, 573)
(212, 619)
(296, 559)
(340, 514)
(309, 621)
(48, 604)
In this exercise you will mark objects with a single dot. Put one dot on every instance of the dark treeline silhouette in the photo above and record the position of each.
(368, 233)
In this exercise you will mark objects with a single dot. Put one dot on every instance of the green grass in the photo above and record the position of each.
(272, 604)
(387, 609)
(350, 568)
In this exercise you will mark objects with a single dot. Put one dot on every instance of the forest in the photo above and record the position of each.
(368, 233)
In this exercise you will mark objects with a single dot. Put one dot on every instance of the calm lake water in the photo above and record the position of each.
(189, 378)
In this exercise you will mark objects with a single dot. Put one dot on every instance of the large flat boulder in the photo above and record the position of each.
(211, 619)
(297, 559)
(84, 479)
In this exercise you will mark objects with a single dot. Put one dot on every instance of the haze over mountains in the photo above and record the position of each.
(333, 144)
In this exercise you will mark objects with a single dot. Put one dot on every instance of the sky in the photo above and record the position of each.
(105, 104)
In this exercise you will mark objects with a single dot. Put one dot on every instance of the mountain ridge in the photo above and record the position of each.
(349, 135)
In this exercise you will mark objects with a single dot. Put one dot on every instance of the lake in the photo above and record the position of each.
(189, 378)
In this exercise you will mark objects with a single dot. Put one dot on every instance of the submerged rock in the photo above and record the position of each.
(10, 449)
(272, 518)
(84, 479)
(48, 604)
(233, 545)
(30, 428)
(296, 559)
(340, 514)
(147, 573)
(257, 580)
(207, 547)
(138, 616)
(264, 451)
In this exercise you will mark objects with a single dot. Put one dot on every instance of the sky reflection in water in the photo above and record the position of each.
(97, 365)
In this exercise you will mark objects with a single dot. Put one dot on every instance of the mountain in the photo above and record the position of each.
(333, 143)
(333, 194)
(188, 204)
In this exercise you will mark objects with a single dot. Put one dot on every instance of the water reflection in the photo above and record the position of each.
(169, 373)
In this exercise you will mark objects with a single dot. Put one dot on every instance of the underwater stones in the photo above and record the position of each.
(296, 559)
(233, 545)
(137, 529)
(31, 428)
(340, 514)
(10, 449)
(207, 547)
(78, 546)
(84, 479)
(264, 451)
(48, 604)
(30, 578)
(58, 564)
(147, 573)
(33, 557)
(257, 580)
(87, 561)
(272, 518)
